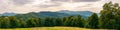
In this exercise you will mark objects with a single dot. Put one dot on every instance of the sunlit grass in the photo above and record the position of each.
(53, 28)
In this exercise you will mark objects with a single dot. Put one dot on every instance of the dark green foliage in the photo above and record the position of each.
(22, 24)
(93, 21)
(14, 22)
(58, 22)
(31, 22)
(68, 21)
(80, 21)
(39, 22)
(110, 16)
(49, 21)
(74, 21)
(5, 23)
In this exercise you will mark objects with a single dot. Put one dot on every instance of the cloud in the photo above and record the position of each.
(116, 1)
(85, 0)
(49, 4)
(26, 6)
(61, 0)
(75, 0)
(21, 2)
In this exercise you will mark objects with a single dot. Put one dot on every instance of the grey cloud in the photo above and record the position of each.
(61, 0)
(21, 2)
(47, 6)
(76, 0)
(85, 0)
(87, 5)
(50, 4)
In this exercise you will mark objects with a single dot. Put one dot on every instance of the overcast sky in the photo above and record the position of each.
(25, 6)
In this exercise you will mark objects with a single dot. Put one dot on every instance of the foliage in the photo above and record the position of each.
(93, 21)
(13, 22)
(110, 16)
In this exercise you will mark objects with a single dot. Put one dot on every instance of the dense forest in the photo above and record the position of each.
(109, 19)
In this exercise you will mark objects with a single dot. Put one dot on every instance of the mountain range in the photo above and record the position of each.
(62, 13)
(8, 14)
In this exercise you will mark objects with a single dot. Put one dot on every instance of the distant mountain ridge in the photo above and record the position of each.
(8, 14)
(86, 13)
(62, 13)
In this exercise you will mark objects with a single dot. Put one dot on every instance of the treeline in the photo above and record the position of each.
(13, 22)
(109, 18)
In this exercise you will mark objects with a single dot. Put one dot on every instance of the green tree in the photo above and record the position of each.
(14, 22)
(65, 19)
(39, 22)
(58, 22)
(68, 21)
(49, 21)
(72, 21)
(5, 23)
(110, 16)
(22, 23)
(81, 21)
(31, 22)
(93, 21)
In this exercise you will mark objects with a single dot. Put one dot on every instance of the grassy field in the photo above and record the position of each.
(52, 28)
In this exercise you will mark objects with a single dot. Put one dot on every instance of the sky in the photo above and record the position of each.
(26, 6)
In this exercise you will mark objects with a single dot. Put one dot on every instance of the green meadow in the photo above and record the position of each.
(54, 28)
